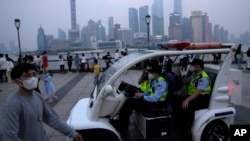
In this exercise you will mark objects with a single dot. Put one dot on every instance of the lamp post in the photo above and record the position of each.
(18, 24)
(148, 18)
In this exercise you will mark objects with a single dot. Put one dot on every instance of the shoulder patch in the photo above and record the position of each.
(159, 86)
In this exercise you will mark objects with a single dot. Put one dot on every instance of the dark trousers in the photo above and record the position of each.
(134, 104)
(3, 77)
(61, 68)
(70, 65)
(201, 102)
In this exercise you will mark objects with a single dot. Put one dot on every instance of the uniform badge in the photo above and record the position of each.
(159, 87)
(200, 82)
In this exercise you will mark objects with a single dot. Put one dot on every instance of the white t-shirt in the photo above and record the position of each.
(116, 56)
(83, 59)
(61, 61)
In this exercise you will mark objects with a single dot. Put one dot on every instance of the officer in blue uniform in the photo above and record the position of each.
(142, 102)
(198, 93)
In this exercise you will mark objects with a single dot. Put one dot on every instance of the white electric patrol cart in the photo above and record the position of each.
(91, 116)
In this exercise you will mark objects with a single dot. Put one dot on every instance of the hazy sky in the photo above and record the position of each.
(233, 15)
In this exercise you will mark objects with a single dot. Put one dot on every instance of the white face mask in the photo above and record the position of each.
(30, 84)
(150, 76)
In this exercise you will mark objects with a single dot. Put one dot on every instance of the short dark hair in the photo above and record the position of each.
(155, 69)
(21, 68)
(198, 62)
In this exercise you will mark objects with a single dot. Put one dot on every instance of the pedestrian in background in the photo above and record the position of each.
(10, 65)
(25, 111)
(91, 62)
(97, 71)
(83, 62)
(38, 62)
(69, 62)
(49, 86)
(239, 56)
(117, 56)
(77, 61)
(61, 63)
(45, 62)
(100, 62)
(3, 67)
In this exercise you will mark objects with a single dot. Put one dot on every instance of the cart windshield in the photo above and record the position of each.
(118, 66)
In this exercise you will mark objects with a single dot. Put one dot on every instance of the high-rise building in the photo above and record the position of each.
(61, 34)
(210, 29)
(178, 7)
(93, 32)
(157, 18)
(41, 40)
(117, 27)
(174, 29)
(74, 32)
(48, 39)
(205, 28)
(133, 20)
(101, 32)
(186, 29)
(143, 11)
(73, 13)
(111, 28)
(216, 36)
(197, 26)
(125, 35)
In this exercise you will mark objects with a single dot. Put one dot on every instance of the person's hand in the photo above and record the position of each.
(185, 104)
(138, 95)
(78, 137)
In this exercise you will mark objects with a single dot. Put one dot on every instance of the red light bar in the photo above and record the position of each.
(188, 45)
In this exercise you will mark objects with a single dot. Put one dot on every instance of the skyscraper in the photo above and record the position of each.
(197, 26)
(133, 20)
(41, 40)
(117, 27)
(216, 36)
(111, 28)
(157, 18)
(74, 32)
(174, 29)
(61, 34)
(143, 11)
(73, 13)
(186, 29)
(93, 32)
(178, 7)
(205, 28)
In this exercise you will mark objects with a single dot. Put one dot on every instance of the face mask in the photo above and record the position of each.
(30, 84)
(150, 76)
(191, 68)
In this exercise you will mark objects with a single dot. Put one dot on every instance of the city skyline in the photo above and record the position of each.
(55, 14)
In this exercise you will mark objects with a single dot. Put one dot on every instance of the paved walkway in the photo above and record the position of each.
(74, 86)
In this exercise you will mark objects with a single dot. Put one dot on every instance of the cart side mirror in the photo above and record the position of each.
(107, 91)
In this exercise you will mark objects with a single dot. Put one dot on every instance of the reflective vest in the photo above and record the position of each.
(152, 89)
(145, 85)
(194, 82)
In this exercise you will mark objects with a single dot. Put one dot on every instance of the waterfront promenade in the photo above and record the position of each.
(73, 86)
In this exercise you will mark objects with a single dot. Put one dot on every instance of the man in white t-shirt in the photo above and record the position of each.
(3, 68)
(116, 55)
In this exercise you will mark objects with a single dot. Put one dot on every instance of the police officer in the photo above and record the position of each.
(198, 91)
(142, 102)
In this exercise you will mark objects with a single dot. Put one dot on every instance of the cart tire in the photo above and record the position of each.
(216, 130)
